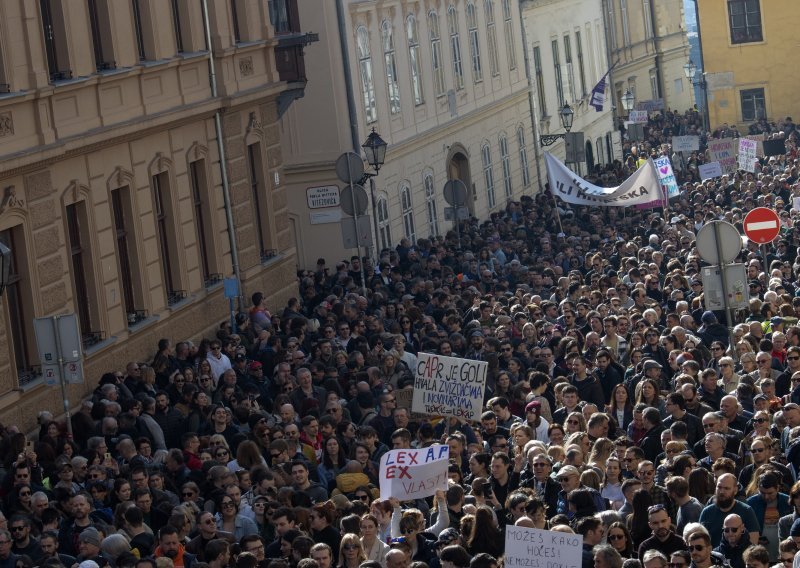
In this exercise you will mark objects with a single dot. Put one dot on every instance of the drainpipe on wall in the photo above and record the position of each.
(606, 23)
(223, 162)
(657, 47)
(706, 110)
(530, 103)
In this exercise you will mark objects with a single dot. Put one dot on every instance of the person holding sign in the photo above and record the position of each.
(410, 525)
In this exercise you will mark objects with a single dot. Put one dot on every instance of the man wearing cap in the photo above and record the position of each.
(89, 547)
(476, 351)
(711, 330)
(651, 369)
(570, 479)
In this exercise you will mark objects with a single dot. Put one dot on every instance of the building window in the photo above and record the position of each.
(654, 83)
(599, 151)
(505, 160)
(430, 203)
(239, 20)
(126, 249)
(177, 25)
(753, 104)
(648, 20)
(569, 79)
(537, 65)
(455, 46)
(581, 68)
(626, 33)
(168, 248)
(391, 67)
(509, 33)
(413, 56)
(279, 16)
(384, 232)
(19, 302)
(407, 212)
(491, 37)
(100, 26)
(488, 175)
(55, 40)
(202, 220)
(557, 69)
(745, 21)
(365, 69)
(258, 191)
(81, 262)
(138, 28)
(523, 158)
(436, 53)
(474, 45)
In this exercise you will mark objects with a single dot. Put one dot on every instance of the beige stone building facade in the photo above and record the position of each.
(112, 196)
(443, 82)
(648, 43)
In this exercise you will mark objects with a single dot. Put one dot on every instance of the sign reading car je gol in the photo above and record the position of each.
(762, 225)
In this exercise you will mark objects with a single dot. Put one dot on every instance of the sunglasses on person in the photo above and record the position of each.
(616, 537)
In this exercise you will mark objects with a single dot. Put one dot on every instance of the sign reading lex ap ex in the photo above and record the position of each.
(449, 386)
(414, 474)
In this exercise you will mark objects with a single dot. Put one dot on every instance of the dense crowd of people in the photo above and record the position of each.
(618, 407)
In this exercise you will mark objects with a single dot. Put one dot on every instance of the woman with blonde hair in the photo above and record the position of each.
(575, 422)
(601, 451)
(351, 552)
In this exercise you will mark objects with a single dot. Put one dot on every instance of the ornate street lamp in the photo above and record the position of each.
(566, 115)
(375, 151)
(628, 100)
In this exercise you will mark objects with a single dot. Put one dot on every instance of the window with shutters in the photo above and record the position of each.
(488, 175)
(455, 47)
(85, 296)
(413, 57)
(539, 71)
(384, 232)
(365, 70)
(55, 40)
(581, 68)
(508, 31)
(436, 53)
(523, 158)
(474, 44)
(557, 71)
(390, 63)
(430, 204)
(505, 160)
(491, 37)
(408, 212)
(745, 21)
(569, 80)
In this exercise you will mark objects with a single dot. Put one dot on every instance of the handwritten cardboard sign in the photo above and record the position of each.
(638, 116)
(747, 155)
(449, 386)
(536, 548)
(414, 474)
(710, 170)
(686, 143)
(723, 150)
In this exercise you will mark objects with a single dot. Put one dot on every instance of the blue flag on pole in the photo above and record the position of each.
(598, 98)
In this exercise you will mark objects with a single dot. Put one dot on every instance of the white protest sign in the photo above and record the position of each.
(536, 548)
(796, 203)
(723, 150)
(449, 386)
(710, 170)
(686, 143)
(414, 474)
(669, 185)
(638, 116)
(747, 154)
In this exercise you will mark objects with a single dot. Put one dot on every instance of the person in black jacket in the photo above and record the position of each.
(676, 407)
(651, 443)
(589, 388)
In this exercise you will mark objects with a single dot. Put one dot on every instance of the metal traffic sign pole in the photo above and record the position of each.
(455, 194)
(718, 242)
(762, 225)
(350, 169)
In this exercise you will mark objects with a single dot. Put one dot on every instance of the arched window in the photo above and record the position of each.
(408, 212)
(523, 158)
(384, 233)
(506, 161)
(455, 46)
(430, 202)
(488, 175)
(413, 58)
(365, 70)
(474, 45)
(392, 87)
(436, 53)
(508, 31)
(491, 37)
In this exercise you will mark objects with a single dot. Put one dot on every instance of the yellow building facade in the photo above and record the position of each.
(746, 45)
(111, 177)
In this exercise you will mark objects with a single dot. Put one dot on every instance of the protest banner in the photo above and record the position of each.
(710, 170)
(686, 143)
(638, 116)
(759, 138)
(414, 474)
(641, 187)
(669, 185)
(747, 155)
(536, 548)
(449, 386)
(723, 150)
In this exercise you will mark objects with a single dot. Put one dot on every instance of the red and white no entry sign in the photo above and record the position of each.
(762, 225)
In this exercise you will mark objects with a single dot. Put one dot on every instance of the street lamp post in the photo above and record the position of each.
(566, 115)
(375, 152)
(690, 70)
(628, 100)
